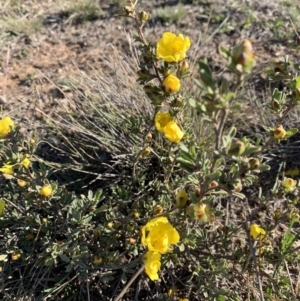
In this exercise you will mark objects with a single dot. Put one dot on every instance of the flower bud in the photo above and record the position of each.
(135, 214)
(158, 209)
(97, 259)
(254, 163)
(32, 141)
(243, 54)
(110, 225)
(289, 184)
(213, 184)
(202, 212)
(46, 190)
(178, 101)
(143, 16)
(149, 137)
(184, 66)
(92, 208)
(197, 192)
(128, 9)
(131, 240)
(181, 198)
(171, 84)
(237, 148)
(16, 255)
(279, 132)
(145, 153)
(21, 182)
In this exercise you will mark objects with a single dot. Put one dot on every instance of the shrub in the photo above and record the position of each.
(169, 177)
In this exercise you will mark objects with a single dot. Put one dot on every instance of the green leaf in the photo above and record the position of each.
(224, 52)
(64, 258)
(297, 82)
(214, 176)
(98, 195)
(232, 132)
(239, 195)
(280, 96)
(205, 74)
(183, 148)
(184, 161)
(290, 133)
(264, 167)
(250, 150)
(229, 96)
(181, 247)
(101, 209)
(197, 105)
(2, 206)
(90, 195)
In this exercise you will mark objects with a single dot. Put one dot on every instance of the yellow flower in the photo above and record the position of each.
(161, 120)
(173, 132)
(256, 231)
(172, 48)
(6, 125)
(181, 198)
(158, 234)
(8, 169)
(26, 162)
(289, 184)
(46, 190)
(279, 132)
(171, 84)
(152, 264)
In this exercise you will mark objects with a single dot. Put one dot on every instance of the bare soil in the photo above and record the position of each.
(34, 66)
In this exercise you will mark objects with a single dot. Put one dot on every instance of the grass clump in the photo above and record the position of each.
(83, 10)
(171, 14)
(143, 182)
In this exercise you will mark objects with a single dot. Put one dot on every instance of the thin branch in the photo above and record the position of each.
(124, 290)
